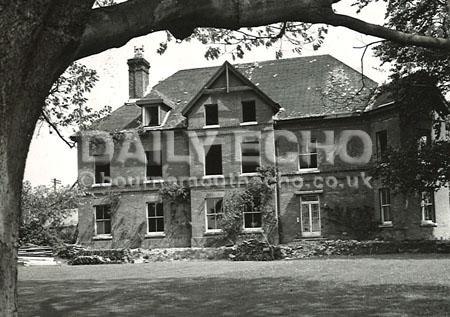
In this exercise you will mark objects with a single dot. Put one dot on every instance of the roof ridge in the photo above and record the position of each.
(281, 60)
(248, 63)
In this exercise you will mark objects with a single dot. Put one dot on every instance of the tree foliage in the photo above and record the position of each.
(426, 17)
(412, 170)
(417, 164)
(44, 210)
(237, 42)
(67, 103)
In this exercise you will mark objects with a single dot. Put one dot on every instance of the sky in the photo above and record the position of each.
(50, 158)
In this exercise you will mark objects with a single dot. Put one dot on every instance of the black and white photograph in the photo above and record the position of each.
(224, 158)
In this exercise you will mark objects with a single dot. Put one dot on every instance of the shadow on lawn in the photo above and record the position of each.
(229, 297)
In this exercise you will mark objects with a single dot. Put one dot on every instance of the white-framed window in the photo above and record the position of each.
(151, 116)
(385, 206)
(250, 157)
(307, 155)
(155, 218)
(211, 114)
(252, 218)
(213, 160)
(214, 212)
(427, 207)
(102, 220)
(310, 215)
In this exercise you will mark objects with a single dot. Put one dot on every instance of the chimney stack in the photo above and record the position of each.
(138, 68)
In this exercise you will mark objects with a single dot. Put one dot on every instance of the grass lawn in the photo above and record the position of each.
(404, 285)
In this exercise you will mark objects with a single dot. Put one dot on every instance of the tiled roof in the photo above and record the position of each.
(302, 86)
(119, 119)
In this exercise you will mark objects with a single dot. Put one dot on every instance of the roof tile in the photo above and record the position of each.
(302, 86)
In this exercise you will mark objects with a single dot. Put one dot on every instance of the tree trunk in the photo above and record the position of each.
(38, 41)
(16, 131)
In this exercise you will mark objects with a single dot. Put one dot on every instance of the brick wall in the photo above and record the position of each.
(406, 211)
(129, 222)
(340, 185)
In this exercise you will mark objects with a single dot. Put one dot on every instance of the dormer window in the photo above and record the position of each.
(248, 111)
(211, 115)
(151, 116)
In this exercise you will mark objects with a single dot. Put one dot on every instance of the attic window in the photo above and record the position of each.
(151, 116)
(211, 114)
(248, 111)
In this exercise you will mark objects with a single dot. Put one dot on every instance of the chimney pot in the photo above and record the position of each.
(138, 69)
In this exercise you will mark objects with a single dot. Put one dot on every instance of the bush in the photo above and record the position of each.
(68, 251)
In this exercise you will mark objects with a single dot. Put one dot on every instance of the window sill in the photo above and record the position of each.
(252, 230)
(102, 237)
(308, 171)
(151, 127)
(213, 232)
(248, 123)
(213, 176)
(428, 223)
(249, 174)
(153, 181)
(213, 126)
(386, 225)
(155, 235)
(96, 185)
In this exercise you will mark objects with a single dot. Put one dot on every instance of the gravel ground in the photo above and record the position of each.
(400, 285)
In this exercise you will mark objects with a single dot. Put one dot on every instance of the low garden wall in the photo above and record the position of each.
(252, 250)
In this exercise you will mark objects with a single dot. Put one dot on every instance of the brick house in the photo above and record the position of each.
(211, 128)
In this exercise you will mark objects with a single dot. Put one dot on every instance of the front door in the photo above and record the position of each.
(310, 215)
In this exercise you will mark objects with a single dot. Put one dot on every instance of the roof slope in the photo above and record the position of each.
(303, 86)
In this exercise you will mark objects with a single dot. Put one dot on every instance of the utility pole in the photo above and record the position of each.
(55, 182)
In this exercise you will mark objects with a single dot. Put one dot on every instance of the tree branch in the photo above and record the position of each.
(365, 47)
(388, 34)
(55, 128)
(114, 26)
